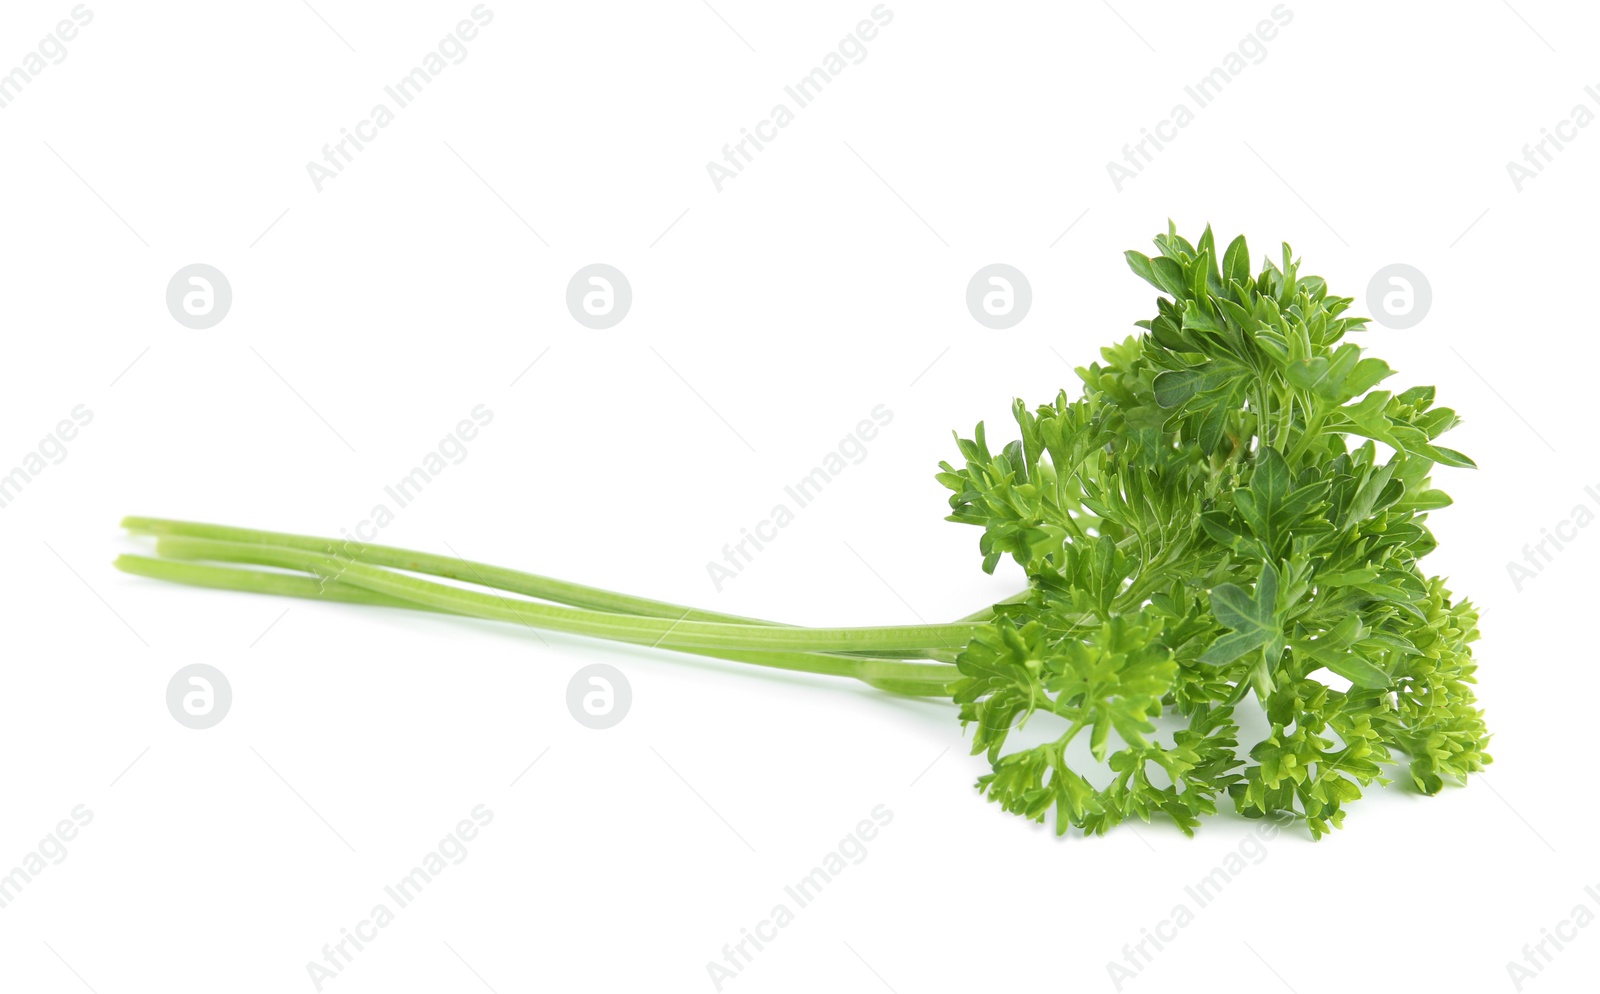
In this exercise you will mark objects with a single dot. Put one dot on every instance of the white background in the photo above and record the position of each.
(767, 320)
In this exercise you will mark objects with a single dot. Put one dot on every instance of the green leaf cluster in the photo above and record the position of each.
(1231, 515)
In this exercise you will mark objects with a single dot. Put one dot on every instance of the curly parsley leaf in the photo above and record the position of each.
(1210, 526)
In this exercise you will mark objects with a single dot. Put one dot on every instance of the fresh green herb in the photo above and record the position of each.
(1210, 526)
(1196, 529)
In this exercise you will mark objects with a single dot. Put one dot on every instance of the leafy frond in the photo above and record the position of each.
(1212, 519)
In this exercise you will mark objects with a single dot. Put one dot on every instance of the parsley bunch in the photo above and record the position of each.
(1211, 521)
(1209, 527)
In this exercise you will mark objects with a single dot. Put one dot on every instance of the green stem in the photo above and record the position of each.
(623, 628)
(480, 574)
(450, 567)
(258, 582)
(917, 679)
(486, 575)
(1307, 436)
